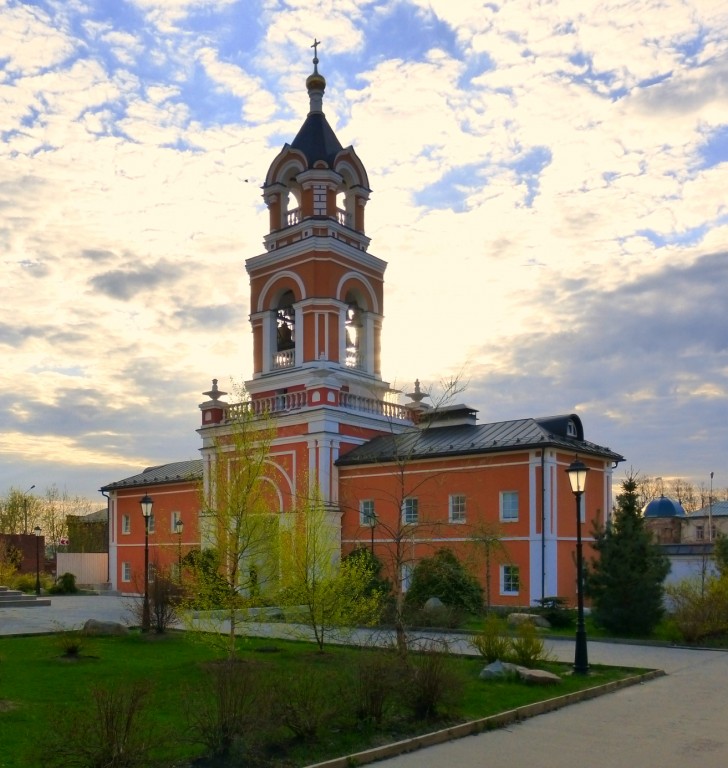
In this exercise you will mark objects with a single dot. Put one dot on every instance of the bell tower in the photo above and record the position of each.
(316, 293)
(316, 308)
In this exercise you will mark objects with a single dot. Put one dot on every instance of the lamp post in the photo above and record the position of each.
(146, 504)
(37, 533)
(179, 527)
(577, 477)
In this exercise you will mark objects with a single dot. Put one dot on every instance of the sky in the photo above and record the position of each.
(549, 189)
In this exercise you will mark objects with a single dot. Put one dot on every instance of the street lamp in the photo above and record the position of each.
(37, 533)
(146, 504)
(179, 526)
(577, 477)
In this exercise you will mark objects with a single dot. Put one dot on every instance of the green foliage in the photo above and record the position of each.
(556, 612)
(699, 608)
(490, 643)
(625, 582)
(527, 648)
(445, 577)
(206, 589)
(70, 642)
(377, 681)
(720, 553)
(65, 585)
(336, 595)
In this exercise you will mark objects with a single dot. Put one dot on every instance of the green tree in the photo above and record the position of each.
(445, 577)
(720, 553)
(625, 581)
(335, 594)
(239, 523)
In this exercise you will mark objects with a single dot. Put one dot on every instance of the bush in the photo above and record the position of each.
(445, 616)
(111, 732)
(555, 611)
(164, 596)
(377, 680)
(527, 648)
(431, 687)
(304, 703)
(699, 609)
(445, 577)
(491, 643)
(224, 711)
(70, 642)
(65, 585)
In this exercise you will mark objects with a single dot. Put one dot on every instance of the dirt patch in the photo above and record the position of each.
(6, 706)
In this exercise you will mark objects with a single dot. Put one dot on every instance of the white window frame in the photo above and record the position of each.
(126, 572)
(405, 575)
(151, 523)
(151, 572)
(411, 510)
(174, 517)
(367, 513)
(508, 581)
(509, 495)
(126, 524)
(457, 508)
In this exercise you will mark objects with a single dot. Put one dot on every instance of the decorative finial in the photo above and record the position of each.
(315, 82)
(214, 394)
(418, 395)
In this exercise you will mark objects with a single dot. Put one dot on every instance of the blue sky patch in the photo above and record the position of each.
(715, 150)
(452, 190)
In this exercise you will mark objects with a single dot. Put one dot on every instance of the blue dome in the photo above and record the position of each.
(663, 507)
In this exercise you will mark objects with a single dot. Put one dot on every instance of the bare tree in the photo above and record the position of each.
(486, 539)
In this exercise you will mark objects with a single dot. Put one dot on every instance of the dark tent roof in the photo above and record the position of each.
(317, 140)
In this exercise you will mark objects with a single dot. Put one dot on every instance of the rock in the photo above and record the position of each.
(499, 669)
(538, 676)
(433, 604)
(516, 619)
(96, 627)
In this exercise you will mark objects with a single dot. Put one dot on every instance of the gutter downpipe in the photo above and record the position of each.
(543, 523)
(108, 536)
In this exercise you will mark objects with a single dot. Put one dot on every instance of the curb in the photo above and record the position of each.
(481, 725)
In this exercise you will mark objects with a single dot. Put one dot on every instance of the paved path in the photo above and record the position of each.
(677, 721)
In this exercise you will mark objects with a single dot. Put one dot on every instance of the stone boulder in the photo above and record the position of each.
(434, 604)
(517, 619)
(499, 669)
(538, 676)
(96, 627)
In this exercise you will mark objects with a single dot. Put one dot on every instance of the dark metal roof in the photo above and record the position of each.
(317, 140)
(466, 439)
(718, 509)
(176, 472)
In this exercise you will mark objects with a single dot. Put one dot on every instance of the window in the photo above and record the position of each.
(173, 520)
(150, 523)
(151, 572)
(367, 516)
(509, 506)
(126, 571)
(457, 508)
(125, 524)
(510, 579)
(699, 532)
(406, 575)
(410, 511)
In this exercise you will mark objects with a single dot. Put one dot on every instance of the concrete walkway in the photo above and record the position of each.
(676, 721)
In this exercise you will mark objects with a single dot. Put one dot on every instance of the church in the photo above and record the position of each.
(386, 471)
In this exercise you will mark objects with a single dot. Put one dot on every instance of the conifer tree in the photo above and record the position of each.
(626, 581)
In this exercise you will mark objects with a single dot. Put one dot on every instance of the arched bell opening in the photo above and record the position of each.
(285, 331)
(355, 331)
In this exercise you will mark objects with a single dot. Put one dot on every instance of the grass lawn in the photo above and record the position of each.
(42, 692)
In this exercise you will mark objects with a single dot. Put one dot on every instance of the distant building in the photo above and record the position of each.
(317, 312)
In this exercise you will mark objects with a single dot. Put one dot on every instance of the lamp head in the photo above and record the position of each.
(577, 476)
(146, 504)
(37, 530)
